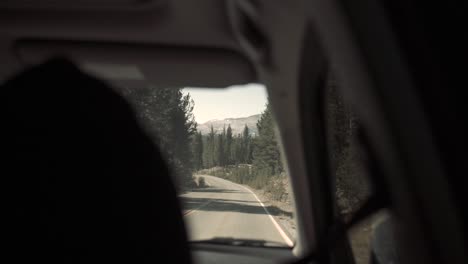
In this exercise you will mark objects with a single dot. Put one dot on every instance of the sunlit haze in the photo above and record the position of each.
(231, 102)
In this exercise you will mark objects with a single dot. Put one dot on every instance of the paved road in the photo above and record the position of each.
(226, 209)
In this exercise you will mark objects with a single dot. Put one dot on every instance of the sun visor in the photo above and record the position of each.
(141, 65)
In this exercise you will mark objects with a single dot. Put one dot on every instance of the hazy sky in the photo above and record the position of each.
(234, 101)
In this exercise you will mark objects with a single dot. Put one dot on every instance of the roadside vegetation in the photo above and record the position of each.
(166, 115)
(201, 182)
(251, 160)
(248, 158)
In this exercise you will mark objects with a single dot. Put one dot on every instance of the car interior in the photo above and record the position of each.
(394, 63)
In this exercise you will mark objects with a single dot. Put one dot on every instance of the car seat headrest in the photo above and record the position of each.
(84, 183)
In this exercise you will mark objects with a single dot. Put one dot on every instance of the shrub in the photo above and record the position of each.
(201, 182)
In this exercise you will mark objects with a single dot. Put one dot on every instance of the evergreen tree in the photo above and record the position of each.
(220, 153)
(228, 148)
(183, 128)
(198, 151)
(266, 154)
(166, 115)
(236, 150)
(206, 154)
(209, 155)
(246, 146)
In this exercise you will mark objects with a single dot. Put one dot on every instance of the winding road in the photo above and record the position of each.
(226, 209)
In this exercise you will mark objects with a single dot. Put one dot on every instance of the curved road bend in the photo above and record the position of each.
(226, 209)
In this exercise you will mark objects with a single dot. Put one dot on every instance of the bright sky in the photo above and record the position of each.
(234, 101)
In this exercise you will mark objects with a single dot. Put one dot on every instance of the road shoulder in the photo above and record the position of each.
(282, 212)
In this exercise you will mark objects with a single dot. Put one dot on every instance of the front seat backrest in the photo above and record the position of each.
(82, 181)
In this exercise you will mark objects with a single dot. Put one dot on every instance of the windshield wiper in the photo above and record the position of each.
(241, 242)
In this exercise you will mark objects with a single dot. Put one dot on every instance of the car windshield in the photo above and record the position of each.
(224, 155)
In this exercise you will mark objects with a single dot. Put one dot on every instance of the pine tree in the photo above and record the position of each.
(220, 153)
(228, 148)
(266, 154)
(236, 150)
(245, 146)
(206, 152)
(166, 115)
(183, 128)
(198, 151)
(209, 155)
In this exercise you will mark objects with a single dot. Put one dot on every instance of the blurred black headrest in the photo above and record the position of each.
(83, 183)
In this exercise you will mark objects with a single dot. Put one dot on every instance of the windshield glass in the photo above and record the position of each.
(224, 155)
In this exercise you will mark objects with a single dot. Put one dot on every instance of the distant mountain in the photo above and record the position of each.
(237, 125)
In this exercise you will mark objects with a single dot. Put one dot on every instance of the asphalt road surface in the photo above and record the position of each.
(226, 209)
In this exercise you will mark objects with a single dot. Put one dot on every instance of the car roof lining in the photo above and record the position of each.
(143, 64)
(85, 5)
(191, 41)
